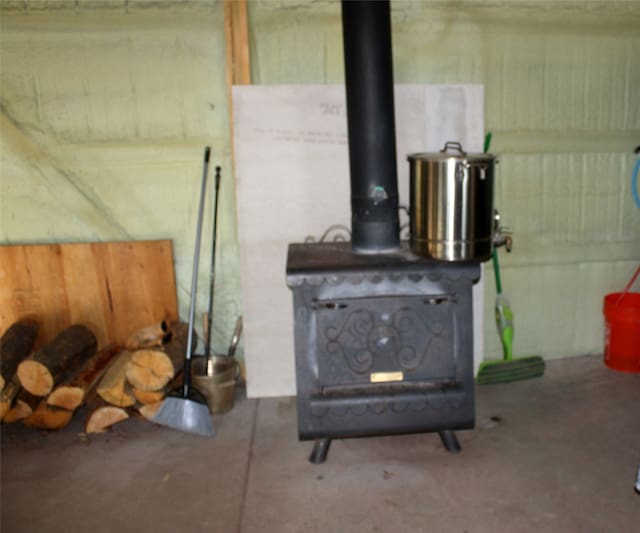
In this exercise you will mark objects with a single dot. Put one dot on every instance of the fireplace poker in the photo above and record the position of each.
(207, 346)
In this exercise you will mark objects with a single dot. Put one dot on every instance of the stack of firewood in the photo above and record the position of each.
(44, 388)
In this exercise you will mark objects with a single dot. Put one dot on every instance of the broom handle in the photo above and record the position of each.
(494, 256)
(194, 278)
(496, 270)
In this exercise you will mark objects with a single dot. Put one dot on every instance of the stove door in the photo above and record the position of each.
(386, 339)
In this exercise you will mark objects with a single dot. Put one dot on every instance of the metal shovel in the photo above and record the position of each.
(218, 385)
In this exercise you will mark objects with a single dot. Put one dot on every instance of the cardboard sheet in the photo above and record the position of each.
(292, 172)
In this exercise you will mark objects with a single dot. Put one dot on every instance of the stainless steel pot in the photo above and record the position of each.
(451, 204)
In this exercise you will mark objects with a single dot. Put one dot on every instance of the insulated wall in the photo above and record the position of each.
(107, 105)
(562, 99)
(106, 109)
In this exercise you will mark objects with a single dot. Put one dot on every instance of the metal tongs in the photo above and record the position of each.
(237, 332)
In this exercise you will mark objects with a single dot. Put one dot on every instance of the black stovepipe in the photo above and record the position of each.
(366, 27)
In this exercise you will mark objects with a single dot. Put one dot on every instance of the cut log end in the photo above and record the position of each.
(118, 395)
(19, 411)
(150, 410)
(147, 397)
(155, 335)
(113, 388)
(58, 360)
(103, 418)
(150, 370)
(7, 396)
(47, 417)
(35, 377)
(66, 397)
(23, 405)
(5, 407)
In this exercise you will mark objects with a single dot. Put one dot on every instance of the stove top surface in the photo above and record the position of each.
(310, 258)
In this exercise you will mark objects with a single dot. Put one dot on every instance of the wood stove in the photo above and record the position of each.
(383, 337)
(383, 344)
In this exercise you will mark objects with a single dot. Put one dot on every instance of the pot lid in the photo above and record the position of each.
(451, 150)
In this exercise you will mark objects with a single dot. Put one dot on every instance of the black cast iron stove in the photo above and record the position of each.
(383, 338)
(383, 344)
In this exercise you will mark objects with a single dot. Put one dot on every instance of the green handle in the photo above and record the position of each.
(487, 142)
(496, 266)
(507, 344)
(496, 271)
(504, 315)
(504, 322)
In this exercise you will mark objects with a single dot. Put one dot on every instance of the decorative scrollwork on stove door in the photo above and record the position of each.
(414, 339)
(418, 339)
(351, 340)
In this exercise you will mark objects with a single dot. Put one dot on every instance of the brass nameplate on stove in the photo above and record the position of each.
(384, 377)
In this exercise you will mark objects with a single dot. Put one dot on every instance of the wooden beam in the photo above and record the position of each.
(236, 36)
(236, 33)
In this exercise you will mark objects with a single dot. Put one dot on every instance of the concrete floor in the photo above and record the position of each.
(555, 454)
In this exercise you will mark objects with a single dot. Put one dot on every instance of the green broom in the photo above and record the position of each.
(509, 368)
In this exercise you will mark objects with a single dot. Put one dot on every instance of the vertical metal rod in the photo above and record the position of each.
(207, 346)
(194, 277)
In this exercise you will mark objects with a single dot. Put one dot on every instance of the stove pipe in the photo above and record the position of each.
(366, 27)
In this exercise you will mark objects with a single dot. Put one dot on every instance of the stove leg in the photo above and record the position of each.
(450, 441)
(320, 451)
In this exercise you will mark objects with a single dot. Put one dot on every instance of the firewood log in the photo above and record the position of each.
(48, 417)
(23, 406)
(113, 387)
(19, 411)
(149, 410)
(101, 415)
(147, 397)
(15, 345)
(154, 335)
(71, 394)
(152, 369)
(57, 361)
(8, 395)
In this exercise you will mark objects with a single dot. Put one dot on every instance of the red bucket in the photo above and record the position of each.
(622, 331)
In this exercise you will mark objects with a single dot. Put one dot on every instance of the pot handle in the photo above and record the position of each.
(454, 145)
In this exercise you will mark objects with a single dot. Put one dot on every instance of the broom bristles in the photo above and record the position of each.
(184, 415)
(513, 370)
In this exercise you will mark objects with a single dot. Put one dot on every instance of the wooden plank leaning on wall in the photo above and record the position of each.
(238, 66)
(238, 61)
(236, 34)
